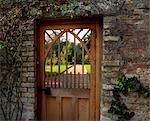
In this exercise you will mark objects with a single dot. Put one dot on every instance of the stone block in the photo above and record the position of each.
(31, 69)
(31, 90)
(31, 100)
(28, 74)
(24, 69)
(27, 85)
(106, 93)
(28, 43)
(24, 99)
(31, 95)
(107, 87)
(109, 69)
(23, 89)
(106, 32)
(31, 79)
(31, 59)
(28, 64)
(111, 38)
(111, 63)
(29, 32)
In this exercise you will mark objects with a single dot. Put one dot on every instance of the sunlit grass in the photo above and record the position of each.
(55, 68)
(88, 68)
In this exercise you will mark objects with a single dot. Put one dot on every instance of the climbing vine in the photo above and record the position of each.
(124, 86)
(11, 64)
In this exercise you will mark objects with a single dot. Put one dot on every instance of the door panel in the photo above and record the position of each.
(83, 109)
(67, 112)
(67, 72)
(71, 105)
(52, 108)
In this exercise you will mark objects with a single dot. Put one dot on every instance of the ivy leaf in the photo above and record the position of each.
(2, 45)
(111, 109)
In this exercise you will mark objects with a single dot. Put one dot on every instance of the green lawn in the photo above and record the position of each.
(88, 67)
(55, 68)
(63, 68)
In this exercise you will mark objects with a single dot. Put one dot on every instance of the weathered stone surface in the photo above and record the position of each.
(111, 38)
(27, 84)
(126, 47)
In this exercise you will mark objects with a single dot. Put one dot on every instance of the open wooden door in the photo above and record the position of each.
(68, 69)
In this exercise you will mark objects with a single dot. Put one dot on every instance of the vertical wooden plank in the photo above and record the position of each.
(83, 109)
(86, 83)
(78, 83)
(70, 85)
(46, 81)
(82, 82)
(67, 112)
(75, 108)
(89, 82)
(51, 65)
(55, 80)
(75, 62)
(92, 78)
(41, 41)
(58, 62)
(98, 67)
(65, 82)
(62, 75)
(59, 108)
(52, 110)
(67, 58)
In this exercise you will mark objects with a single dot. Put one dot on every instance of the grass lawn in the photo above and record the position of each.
(55, 68)
(88, 67)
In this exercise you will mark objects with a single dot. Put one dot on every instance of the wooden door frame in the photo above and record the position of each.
(98, 21)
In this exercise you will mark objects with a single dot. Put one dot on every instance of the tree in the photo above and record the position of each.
(55, 59)
(63, 56)
(78, 54)
(86, 59)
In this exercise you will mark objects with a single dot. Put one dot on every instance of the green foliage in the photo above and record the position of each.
(78, 54)
(1, 2)
(86, 2)
(2, 45)
(55, 59)
(63, 56)
(127, 84)
(70, 52)
(124, 86)
(47, 61)
(86, 59)
(131, 84)
(55, 68)
(88, 68)
(69, 8)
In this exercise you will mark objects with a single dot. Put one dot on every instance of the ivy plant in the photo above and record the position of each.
(124, 86)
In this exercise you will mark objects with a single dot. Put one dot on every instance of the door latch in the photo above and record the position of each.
(47, 90)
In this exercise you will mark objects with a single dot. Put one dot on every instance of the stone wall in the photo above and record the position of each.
(126, 47)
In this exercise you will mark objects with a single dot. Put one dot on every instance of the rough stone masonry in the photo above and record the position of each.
(126, 47)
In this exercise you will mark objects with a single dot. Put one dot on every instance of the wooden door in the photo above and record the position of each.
(68, 70)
